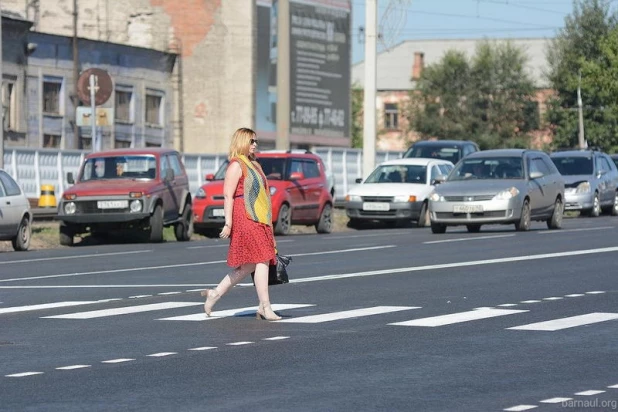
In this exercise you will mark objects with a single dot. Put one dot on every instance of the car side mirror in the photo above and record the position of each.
(169, 174)
(439, 179)
(297, 176)
(210, 177)
(536, 175)
(70, 179)
(602, 173)
(359, 180)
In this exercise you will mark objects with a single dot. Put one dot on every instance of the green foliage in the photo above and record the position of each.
(357, 116)
(588, 44)
(487, 98)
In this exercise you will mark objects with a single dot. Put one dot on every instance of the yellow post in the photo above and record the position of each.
(47, 198)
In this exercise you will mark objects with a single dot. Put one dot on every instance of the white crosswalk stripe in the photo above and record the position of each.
(43, 306)
(246, 311)
(571, 322)
(124, 310)
(328, 317)
(458, 317)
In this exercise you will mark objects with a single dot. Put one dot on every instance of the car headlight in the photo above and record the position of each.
(353, 198)
(200, 194)
(273, 190)
(70, 208)
(507, 194)
(435, 197)
(404, 198)
(583, 187)
(136, 206)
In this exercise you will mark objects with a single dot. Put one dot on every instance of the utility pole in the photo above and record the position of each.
(369, 106)
(77, 144)
(582, 141)
(1, 104)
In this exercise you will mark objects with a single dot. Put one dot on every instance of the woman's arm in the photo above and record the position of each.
(232, 176)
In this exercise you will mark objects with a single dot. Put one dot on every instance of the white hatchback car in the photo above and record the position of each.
(15, 214)
(396, 192)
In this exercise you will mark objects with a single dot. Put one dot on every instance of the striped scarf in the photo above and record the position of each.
(256, 192)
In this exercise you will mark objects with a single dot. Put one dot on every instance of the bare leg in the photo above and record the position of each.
(231, 279)
(261, 287)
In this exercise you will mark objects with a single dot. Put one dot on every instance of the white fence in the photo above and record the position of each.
(33, 168)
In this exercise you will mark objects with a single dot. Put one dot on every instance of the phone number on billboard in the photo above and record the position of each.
(314, 116)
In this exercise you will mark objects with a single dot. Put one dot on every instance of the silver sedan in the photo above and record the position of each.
(506, 186)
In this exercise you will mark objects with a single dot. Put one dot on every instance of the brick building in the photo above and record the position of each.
(400, 67)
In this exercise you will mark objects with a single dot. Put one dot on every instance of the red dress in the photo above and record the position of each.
(250, 241)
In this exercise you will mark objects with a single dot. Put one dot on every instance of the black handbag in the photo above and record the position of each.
(277, 273)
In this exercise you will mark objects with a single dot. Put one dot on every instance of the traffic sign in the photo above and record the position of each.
(103, 86)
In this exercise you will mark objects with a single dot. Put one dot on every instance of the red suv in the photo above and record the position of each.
(298, 188)
(137, 190)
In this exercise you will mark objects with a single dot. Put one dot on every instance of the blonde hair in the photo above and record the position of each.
(241, 141)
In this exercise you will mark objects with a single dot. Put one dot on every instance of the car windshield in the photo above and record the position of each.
(450, 153)
(273, 167)
(220, 175)
(398, 174)
(576, 165)
(119, 167)
(488, 168)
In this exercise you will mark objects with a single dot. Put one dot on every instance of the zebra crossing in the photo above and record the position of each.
(287, 310)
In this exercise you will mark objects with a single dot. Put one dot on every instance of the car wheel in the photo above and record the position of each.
(555, 222)
(596, 206)
(21, 242)
(473, 228)
(423, 218)
(325, 225)
(183, 230)
(156, 225)
(66, 234)
(614, 211)
(437, 228)
(524, 220)
(282, 226)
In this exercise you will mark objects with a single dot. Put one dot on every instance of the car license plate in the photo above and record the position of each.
(218, 212)
(377, 206)
(112, 204)
(468, 209)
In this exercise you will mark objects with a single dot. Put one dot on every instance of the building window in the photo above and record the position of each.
(86, 143)
(51, 141)
(124, 105)
(52, 94)
(122, 144)
(148, 144)
(9, 106)
(154, 114)
(391, 116)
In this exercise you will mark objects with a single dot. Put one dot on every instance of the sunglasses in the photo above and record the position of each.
(254, 141)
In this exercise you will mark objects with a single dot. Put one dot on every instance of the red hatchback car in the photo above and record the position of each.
(298, 188)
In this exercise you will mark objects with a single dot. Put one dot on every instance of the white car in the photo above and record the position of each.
(396, 192)
(15, 214)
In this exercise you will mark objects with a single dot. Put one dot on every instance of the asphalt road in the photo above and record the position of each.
(384, 319)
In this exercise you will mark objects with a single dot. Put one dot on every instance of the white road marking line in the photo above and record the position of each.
(530, 301)
(508, 305)
(613, 386)
(364, 236)
(139, 296)
(246, 311)
(277, 338)
(169, 293)
(238, 343)
(21, 375)
(68, 368)
(162, 354)
(120, 360)
(574, 295)
(194, 290)
(551, 232)
(553, 298)
(44, 306)
(347, 314)
(124, 311)
(556, 400)
(204, 348)
(570, 322)
(595, 292)
(519, 408)
(589, 393)
(482, 308)
(458, 317)
(75, 257)
(172, 285)
(360, 249)
(463, 239)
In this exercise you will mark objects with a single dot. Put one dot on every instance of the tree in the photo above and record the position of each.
(487, 98)
(357, 116)
(584, 45)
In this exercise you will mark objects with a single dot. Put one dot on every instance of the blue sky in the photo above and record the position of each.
(444, 19)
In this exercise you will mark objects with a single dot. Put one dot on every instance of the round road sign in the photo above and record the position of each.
(102, 86)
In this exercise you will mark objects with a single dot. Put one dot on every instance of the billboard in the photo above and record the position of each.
(266, 79)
